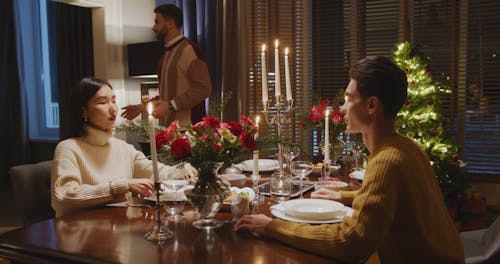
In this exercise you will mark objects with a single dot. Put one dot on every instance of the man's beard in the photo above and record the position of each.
(161, 35)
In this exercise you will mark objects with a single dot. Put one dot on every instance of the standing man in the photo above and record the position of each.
(184, 81)
(399, 211)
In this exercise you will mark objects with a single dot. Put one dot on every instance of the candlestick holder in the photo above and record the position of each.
(265, 107)
(291, 106)
(325, 170)
(160, 233)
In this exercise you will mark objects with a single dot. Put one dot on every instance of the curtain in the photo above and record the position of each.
(13, 106)
(75, 59)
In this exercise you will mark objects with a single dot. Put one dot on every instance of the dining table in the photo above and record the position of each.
(115, 234)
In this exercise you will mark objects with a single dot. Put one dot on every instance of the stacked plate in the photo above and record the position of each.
(358, 175)
(314, 211)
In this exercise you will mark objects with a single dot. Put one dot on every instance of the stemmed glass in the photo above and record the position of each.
(359, 157)
(255, 181)
(301, 169)
(175, 185)
(290, 152)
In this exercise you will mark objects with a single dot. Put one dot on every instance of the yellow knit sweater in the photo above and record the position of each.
(399, 213)
(94, 170)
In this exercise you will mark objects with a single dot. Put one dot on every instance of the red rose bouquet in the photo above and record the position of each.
(315, 118)
(208, 142)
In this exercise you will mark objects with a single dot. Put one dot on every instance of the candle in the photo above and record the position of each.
(152, 142)
(265, 96)
(256, 152)
(287, 78)
(257, 119)
(327, 138)
(277, 85)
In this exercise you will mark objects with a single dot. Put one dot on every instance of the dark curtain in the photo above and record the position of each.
(14, 134)
(75, 58)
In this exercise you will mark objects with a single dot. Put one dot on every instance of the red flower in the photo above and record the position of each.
(211, 121)
(247, 124)
(217, 146)
(247, 141)
(317, 113)
(301, 124)
(324, 103)
(336, 117)
(180, 148)
(164, 137)
(235, 128)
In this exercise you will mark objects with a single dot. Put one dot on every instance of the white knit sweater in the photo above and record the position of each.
(94, 170)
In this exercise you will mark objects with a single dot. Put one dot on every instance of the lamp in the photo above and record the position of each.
(143, 58)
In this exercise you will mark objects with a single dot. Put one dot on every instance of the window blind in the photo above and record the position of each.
(285, 21)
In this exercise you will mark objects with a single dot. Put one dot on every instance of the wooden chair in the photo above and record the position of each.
(31, 189)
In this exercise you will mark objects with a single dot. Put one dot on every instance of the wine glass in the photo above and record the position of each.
(301, 169)
(359, 157)
(175, 185)
(255, 181)
(290, 152)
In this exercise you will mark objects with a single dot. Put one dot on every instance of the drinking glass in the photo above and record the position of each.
(175, 185)
(290, 152)
(301, 169)
(255, 181)
(358, 155)
(280, 187)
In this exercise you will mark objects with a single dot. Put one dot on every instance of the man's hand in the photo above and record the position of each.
(327, 194)
(255, 223)
(160, 109)
(143, 187)
(131, 111)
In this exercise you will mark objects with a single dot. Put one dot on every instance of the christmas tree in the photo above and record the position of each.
(422, 119)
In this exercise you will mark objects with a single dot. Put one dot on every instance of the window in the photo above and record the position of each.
(37, 72)
(289, 21)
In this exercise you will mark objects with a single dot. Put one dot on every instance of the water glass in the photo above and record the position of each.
(301, 169)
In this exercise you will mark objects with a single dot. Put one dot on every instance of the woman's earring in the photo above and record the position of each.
(85, 119)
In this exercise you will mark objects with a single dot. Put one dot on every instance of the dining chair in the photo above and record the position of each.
(482, 246)
(31, 188)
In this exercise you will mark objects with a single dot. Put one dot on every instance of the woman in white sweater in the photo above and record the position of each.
(92, 167)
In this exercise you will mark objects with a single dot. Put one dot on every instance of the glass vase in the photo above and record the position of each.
(208, 195)
(336, 148)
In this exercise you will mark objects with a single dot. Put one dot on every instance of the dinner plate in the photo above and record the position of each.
(358, 175)
(313, 209)
(169, 195)
(264, 165)
(278, 211)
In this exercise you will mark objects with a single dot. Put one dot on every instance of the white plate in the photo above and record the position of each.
(169, 195)
(278, 211)
(313, 209)
(358, 175)
(264, 165)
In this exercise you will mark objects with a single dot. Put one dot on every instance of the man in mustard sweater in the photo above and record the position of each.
(399, 212)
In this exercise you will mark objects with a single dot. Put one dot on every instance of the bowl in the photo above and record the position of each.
(235, 179)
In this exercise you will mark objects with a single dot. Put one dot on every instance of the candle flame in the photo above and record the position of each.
(150, 108)
(257, 119)
(263, 47)
(286, 51)
(276, 43)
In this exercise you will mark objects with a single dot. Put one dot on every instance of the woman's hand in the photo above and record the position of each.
(255, 223)
(327, 194)
(142, 187)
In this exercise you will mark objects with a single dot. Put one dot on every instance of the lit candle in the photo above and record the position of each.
(152, 142)
(265, 96)
(256, 152)
(327, 138)
(287, 78)
(277, 85)
(257, 119)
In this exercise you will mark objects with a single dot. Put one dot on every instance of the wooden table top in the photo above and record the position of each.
(116, 235)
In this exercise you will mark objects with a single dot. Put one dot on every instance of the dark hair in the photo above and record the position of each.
(84, 91)
(380, 77)
(170, 11)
